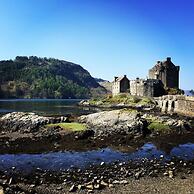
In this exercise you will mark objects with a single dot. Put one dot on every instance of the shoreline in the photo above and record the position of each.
(103, 178)
(149, 185)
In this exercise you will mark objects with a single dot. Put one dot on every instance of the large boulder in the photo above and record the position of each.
(115, 122)
(26, 122)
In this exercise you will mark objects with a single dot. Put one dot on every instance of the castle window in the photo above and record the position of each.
(173, 105)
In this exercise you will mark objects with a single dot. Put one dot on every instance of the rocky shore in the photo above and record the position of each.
(96, 178)
(134, 123)
(23, 131)
(31, 133)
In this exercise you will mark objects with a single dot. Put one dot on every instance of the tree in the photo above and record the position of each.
(192, 92)
(44, 78)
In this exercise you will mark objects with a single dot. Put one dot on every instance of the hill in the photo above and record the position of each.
(105, 84)
(189, 92)
(33, 77)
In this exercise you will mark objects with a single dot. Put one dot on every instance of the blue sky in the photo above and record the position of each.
(107, 37)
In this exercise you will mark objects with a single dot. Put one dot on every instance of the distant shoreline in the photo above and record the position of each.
(40, 99)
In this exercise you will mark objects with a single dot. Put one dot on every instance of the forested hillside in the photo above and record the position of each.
(33, 77)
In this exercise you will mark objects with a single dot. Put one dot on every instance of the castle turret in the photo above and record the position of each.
(167, 72)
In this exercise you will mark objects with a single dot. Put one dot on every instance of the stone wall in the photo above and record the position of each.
(124, 85)
(172, 77)
(115, 88)
(137, 87)
(149, 87)
(185, 106)
(176, 103)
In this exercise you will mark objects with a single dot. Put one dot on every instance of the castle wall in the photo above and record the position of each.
(150, 87)
(185, 106)
(137, 87)
(172, 78)
(124, 85)
(152, 74)
(176, 103)
(167, 72)
(116, 88)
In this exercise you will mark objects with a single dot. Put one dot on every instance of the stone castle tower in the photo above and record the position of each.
(167, 72)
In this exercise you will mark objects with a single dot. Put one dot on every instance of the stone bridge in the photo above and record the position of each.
(176, 103)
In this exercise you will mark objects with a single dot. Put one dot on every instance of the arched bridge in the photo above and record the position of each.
(176, 103)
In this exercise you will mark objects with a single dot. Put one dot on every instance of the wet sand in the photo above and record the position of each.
(162, 185)
(149, 185)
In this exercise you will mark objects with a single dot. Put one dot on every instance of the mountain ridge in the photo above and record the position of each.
(35, 77)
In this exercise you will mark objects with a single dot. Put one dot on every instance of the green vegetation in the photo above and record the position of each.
(121, 99)
(158, 127)
(129, 110)
(69, 126)
(33, 77)
(174, 91)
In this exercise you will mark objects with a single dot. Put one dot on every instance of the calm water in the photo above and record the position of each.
(44, 106)
(56, 161)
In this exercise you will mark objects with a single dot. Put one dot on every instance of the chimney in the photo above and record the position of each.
(125, 76)
(158, 62)
(168, 59)
(116, 78)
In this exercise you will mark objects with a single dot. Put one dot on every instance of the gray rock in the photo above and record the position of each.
(137, 175)
(103, 183)
(173, 123)
(73, 188)
(89, 186)
(81, 187)
(1, 190)
(122, 121)
(171, 174)
(26, 122)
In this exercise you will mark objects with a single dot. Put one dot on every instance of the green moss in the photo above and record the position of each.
(70, 126)
(145, 101)
(174, 91)
(158, 127)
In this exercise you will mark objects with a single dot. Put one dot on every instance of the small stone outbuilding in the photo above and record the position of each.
(120, 85)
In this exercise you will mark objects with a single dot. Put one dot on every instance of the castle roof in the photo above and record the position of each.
(164, 64)
(119, 79)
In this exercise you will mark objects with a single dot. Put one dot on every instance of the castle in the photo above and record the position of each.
(167, 72)
(163, 75)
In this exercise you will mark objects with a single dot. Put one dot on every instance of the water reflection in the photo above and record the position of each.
(44, 106)
(56, 161)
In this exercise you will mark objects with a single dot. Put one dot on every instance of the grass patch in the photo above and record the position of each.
(124, 98)
(145, 101)
(158, 127)
(69, 126)
(129, 110)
